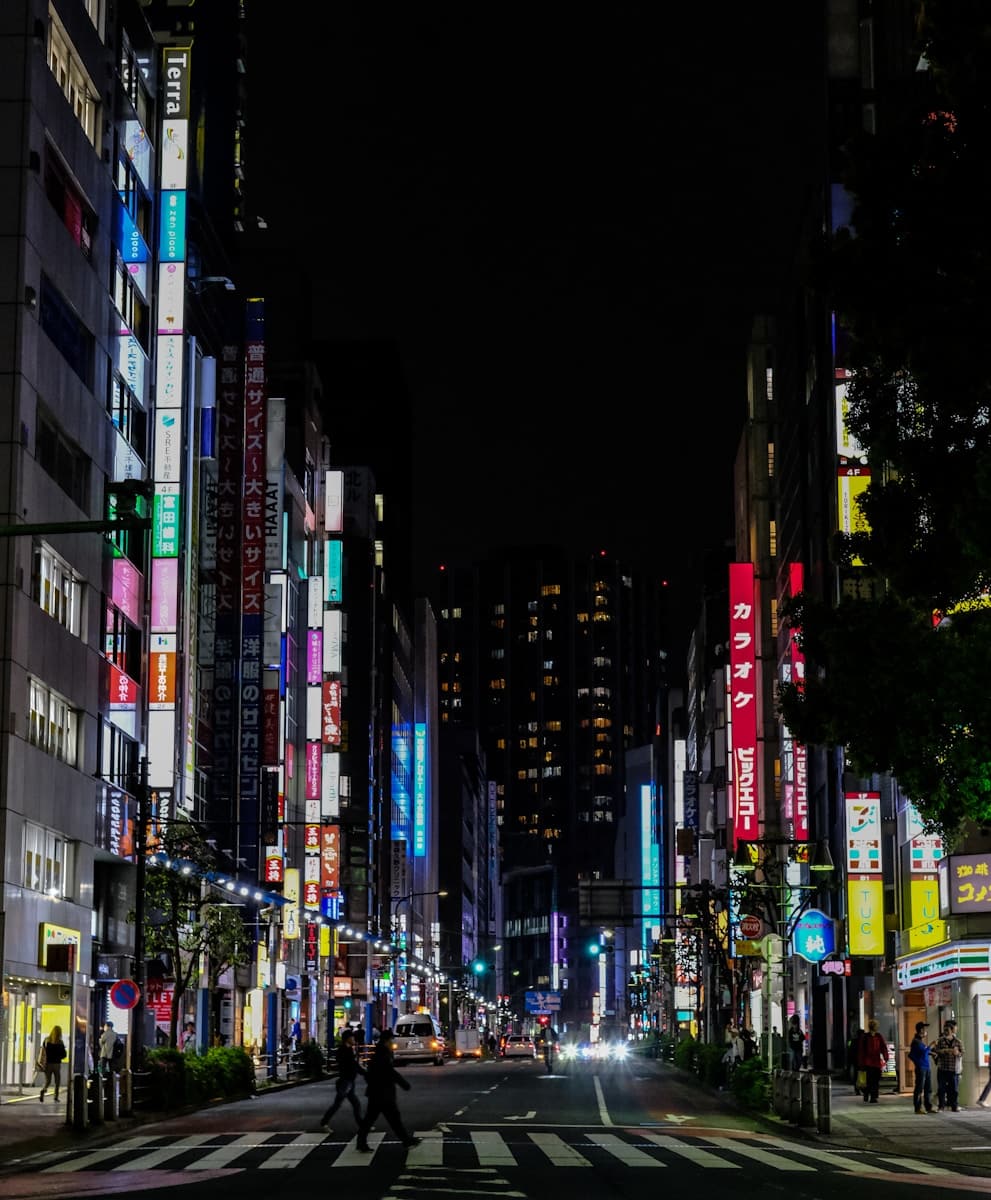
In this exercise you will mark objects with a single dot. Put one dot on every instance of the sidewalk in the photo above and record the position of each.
(890, 1127)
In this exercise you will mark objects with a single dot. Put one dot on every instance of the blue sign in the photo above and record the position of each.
(543, 1003)
(814, 937)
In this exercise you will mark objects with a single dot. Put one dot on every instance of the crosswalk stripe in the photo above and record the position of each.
(429, 1153)
(491, 1149)
(827, 1156)
(224, 1155)
(694, 1153)
(293, 1153)
(913, 1164)
(628, 1155)
(155, 1158)
(94, 1157)
(768, 1157)
(351, 1156)
(558, 1150)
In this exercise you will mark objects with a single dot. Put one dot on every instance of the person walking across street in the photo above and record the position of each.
(381, 1079)
(873, 1056)
(918, 1053)
(348, 1071)
(50, 1061)
(948, 1050)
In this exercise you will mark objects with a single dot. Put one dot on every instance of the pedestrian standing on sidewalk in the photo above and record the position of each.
(50, 1061)
(348, 1071)
(918, 1052)
(381, 1079)
(949, 1065)
(796, 1042)
(873, 1056)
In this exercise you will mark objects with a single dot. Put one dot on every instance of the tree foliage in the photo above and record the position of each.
(911, 286)
(188, 922)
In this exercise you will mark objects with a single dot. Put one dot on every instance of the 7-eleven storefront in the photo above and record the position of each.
(952, 980)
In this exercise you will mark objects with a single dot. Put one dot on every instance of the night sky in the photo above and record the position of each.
(563, 216)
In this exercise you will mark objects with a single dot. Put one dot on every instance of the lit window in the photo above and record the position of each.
(72, 79)
(56, 589)
(54, 724)
(47, 861)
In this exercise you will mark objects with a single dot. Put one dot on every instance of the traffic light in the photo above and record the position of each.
(544, 1021)
(347, 1003)
(478, 967)
(595, 947)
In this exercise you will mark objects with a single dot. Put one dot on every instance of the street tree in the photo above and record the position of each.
(186, 921)
(897, 675)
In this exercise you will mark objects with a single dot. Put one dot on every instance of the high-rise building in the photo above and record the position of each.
(557, 661)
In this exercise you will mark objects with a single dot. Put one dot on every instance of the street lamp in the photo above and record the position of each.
(404, 943)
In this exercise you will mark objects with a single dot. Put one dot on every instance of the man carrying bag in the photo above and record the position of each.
(348, 1071)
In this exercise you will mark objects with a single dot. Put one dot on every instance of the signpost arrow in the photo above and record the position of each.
(529, 1116)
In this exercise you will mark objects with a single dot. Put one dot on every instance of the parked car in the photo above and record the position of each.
(519, 1045)
(418, 1038)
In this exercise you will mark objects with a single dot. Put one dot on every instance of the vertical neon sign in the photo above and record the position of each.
(743, 701)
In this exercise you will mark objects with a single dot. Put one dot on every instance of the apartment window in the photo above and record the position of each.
(62, 460)
(56, 588)
(67, 333)
(67, 200)
(54, 723)
(76, 85)
(133, 310)
(118, 757)
(129, 418)
(48, 861)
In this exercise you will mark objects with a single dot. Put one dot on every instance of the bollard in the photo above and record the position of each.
(95, 1096)
(126, 1093)
(806, 1084)
(79, 1102)
(824, 1104)
(110, 1097)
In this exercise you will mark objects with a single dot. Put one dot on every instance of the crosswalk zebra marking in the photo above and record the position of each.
(429, 1153)
(292, 1153)
(223, 1156)
(703, 1158)
(558, 1150)
(351, 1156)
(768, 1157)
(95, 1157)
(628, 1155)
(820, 1155)
(491, 1149)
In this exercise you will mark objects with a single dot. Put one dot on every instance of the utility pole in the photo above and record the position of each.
(140, 964)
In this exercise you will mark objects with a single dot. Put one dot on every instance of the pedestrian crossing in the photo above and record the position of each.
(472, 1150)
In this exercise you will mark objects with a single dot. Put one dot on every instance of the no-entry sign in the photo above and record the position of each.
(125, 993)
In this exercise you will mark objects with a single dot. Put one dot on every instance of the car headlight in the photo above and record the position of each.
(620, 1050)
(567, 1052)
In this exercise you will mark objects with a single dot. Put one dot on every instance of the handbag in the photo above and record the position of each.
(861, 1078)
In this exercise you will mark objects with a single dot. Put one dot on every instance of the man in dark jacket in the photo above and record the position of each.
(381, 1078)
(348, 1070)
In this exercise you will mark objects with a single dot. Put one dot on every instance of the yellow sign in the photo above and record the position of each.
(56, 935)
(865, 915)
(925, 927)
(290, 911)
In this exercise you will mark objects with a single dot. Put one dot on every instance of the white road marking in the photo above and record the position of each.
(491, 1149)
(768, 1157)
(292, 1153)
(558, 1150)
(628, 1155)
(351, 1156)
(600, 1100)
(694, 1154)
(224, 1155)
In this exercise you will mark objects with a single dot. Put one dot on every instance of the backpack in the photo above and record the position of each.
(118, 1051)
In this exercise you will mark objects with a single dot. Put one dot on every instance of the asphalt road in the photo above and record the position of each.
(489, 1129)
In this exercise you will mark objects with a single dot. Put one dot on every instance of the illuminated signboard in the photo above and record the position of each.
(650, 864)
(743, 701)
(865, 916)
(799, 752)
(965, 884)
(333, 572)
(863, 832)
(419, 790)
(925, 928)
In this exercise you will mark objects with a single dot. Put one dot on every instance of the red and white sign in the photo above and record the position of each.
(751, 927)
(743, 693)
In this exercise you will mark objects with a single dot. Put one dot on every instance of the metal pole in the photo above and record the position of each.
(140, 966)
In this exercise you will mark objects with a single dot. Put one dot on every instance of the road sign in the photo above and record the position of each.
(543, 1003)
(751, 927)
(125, 994)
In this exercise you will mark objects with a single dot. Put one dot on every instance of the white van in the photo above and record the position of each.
(418, 1039)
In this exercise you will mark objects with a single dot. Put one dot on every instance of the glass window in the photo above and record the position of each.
(48, 861)
(53, 723)
(56, 588)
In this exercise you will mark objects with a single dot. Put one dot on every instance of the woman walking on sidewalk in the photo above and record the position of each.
(873, 1056)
